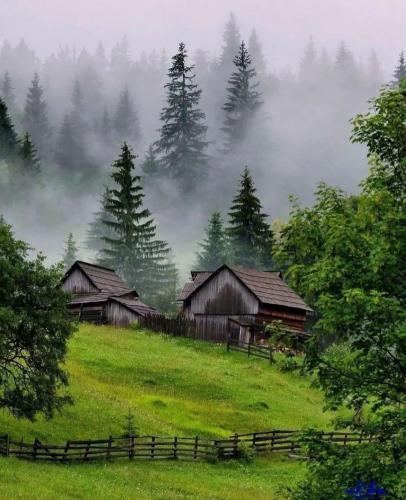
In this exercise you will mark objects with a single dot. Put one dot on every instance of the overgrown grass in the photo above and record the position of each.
(174, 387)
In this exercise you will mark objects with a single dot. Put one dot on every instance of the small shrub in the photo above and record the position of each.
(246, 453)
(288, 364)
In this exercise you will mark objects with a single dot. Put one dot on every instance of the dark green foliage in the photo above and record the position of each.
(70, 252)
(35, 120)
(8, 137)
(243, 99)
(25, 169)
(400, 70)
(182, 142)
(346, 255)
(126, 123)
(250, 235)
(214, 248)
(133, 250)
(383, 131)
(335, 469)
(7, 91)
(34, 328)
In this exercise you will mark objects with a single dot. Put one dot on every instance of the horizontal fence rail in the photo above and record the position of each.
(161, 448)
(259, 351)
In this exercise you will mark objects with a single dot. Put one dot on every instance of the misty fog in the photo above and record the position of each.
(301, 135)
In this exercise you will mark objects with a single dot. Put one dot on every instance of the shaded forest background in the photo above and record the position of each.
(94, 100)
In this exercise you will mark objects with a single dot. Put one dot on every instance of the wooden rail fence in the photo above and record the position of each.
(250, 349)
(155, 447)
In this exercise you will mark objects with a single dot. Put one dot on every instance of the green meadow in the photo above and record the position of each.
(173, 386)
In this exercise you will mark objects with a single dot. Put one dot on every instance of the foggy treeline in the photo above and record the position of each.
(96, 99)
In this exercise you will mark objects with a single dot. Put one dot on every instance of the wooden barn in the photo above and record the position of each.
(100, 296)
(238, 302)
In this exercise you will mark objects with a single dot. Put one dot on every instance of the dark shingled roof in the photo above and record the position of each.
(103, 278)
(268, 287)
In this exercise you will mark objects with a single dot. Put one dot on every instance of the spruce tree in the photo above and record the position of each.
(150, 166)
(8, 136)
(231, 42)
(182, 142)
(65, 154)
(35, 120)
(70, 254)
(7, 91)
(400, 70)
(243, 99)
(27, 171)
(256, 52)
(133, 251)
(126, 123)
(250, 234)
(71, 152)
(214, 248)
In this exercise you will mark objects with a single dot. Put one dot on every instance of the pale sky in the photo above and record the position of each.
(284, 26)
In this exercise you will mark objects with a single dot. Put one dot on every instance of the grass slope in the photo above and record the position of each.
(174, 387)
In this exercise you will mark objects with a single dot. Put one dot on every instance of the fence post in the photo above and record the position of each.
(196, 447)
(132, 445)
(249, 349)
(7, 445)
(235, 445)
(35, 448)
(65, 452)
(272, 440)
(271, 360)
(152, 447)
(228, 344)
(175, 447)
(109, 446)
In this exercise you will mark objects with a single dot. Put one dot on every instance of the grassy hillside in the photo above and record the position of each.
(174, 387)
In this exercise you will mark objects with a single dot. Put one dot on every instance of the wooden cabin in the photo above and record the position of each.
(99, 295)
(242, 301)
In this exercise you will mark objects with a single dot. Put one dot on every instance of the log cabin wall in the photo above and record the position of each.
(119, 315)
(223, 295)
(77, 282)
(294, 318)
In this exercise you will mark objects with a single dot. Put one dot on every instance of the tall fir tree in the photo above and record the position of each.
(7, 91)
(70, 253)
(126, 124)
(243, 99)
(71, 151)
(35, 120)
(256, 52)
(133, 250)
(26, 169)
(250, 234)
(8, 136)
(400, 70)
(150, 165)
(231, 42)
(182, 142)
(214, 248)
